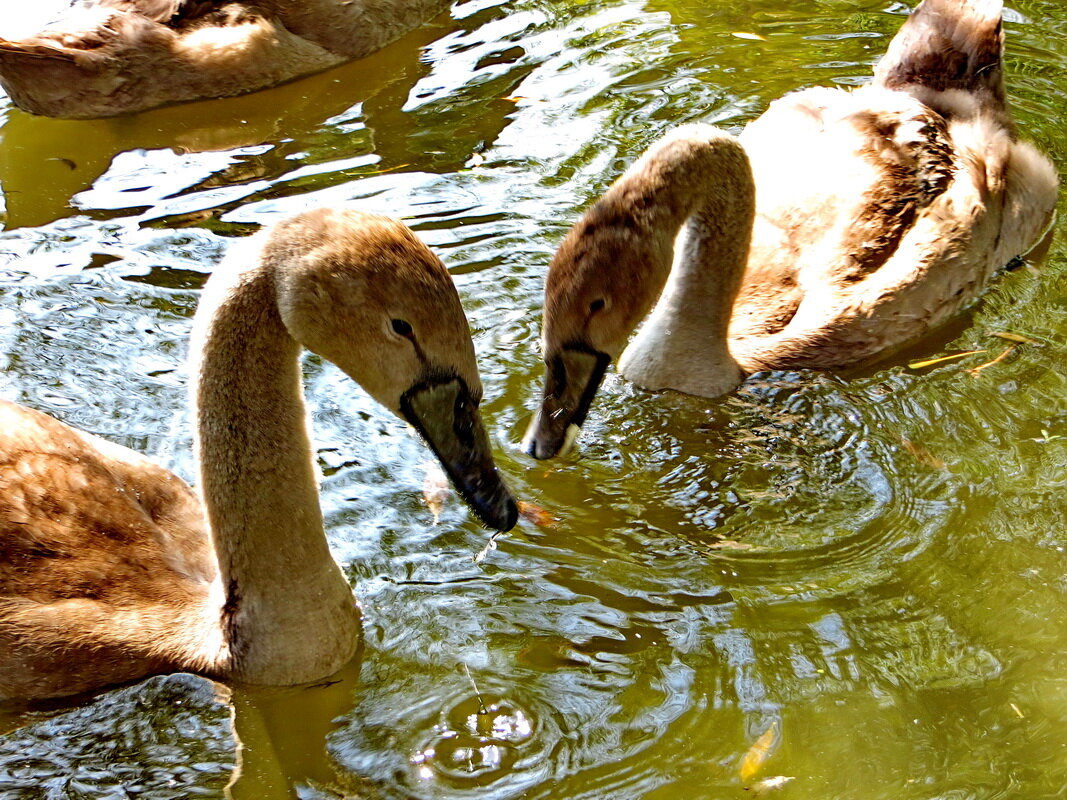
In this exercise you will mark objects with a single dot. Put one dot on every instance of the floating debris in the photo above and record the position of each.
(769, 785)
(490, 546)
(477, 691)
(922, 455)
(1018, 338)
(942, 359)
(385, 171)
(531, 512)
(976, 371)
(761, 750)
(1047, 437)
(746, 35)
(729, 544)
(435, 490)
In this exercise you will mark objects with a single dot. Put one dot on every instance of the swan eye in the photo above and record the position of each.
(597, 305)
(402, 328)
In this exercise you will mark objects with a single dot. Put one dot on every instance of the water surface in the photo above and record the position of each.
(861, 577)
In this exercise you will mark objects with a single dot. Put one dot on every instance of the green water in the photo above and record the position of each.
(871, 566)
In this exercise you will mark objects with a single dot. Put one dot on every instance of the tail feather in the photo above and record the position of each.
(945, 45)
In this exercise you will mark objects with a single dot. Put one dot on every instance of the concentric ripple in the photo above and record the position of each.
(476, 740)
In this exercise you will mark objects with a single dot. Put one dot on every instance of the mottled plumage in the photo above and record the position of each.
(105, 565)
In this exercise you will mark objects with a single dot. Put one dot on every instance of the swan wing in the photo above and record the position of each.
(877, 221)
(81, 517)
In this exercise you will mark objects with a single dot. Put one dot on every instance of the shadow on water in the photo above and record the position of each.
(283, 733)
(179, 736)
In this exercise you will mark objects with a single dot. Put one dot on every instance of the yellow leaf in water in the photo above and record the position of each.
(746, 35)
(537, 515)
(941, 359)
(1018, 338)
(757, 755)
(435, 490)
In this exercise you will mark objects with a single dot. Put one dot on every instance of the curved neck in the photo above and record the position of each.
(288, 614)
(704, 185)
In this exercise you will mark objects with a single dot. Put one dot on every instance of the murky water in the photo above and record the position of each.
(859, 581)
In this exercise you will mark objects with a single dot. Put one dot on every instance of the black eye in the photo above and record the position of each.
(402, 328)
(597, 305)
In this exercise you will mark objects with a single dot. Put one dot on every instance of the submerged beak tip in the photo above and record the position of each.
(529, 440)
(512, 517)
(543, 441)
(569, 438)
(573, 377)
(499, 512)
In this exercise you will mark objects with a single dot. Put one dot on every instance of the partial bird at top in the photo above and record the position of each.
(839, 226)
(110, 57)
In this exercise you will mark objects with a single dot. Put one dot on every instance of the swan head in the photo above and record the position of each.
(601, 283)
(364, 292)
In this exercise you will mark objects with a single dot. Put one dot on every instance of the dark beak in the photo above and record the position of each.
(447, 417)
(571, 383)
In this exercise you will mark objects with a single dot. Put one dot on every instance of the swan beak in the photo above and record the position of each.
(447, 418)
(571, 383)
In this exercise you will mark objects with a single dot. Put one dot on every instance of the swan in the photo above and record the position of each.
(838, 226)
(110, 57)
(111, 568)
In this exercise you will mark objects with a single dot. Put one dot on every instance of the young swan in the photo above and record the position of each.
(108, 57)
(838, 226)
(111, 568)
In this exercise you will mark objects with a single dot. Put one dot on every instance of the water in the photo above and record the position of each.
(857, 580)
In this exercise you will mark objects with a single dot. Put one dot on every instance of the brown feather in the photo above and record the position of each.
(103, 562)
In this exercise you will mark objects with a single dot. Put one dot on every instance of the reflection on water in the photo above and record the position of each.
(871, 566)
(169, 737)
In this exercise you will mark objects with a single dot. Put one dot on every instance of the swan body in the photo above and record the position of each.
(110, 57)
(838, 226)
(112, 568)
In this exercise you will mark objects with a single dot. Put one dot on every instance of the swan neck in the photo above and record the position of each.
(709, 196)
(288, 614)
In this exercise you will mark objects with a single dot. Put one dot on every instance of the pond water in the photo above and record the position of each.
(821, 586)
